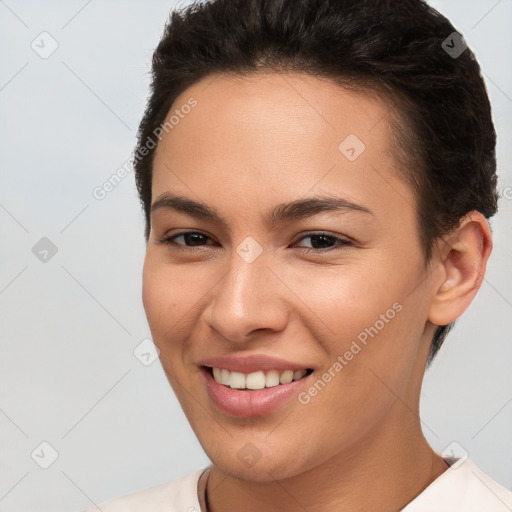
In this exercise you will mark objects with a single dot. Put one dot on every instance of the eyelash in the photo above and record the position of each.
(340, 242)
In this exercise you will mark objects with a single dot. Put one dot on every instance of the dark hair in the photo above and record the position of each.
(443, 135)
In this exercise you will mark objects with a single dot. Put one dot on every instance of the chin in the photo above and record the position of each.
(265, 469)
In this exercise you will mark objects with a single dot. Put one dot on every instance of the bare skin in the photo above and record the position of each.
(249, 145)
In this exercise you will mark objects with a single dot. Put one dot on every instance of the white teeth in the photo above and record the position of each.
(237, 380)
(298, 374)
(224, 377)
(256, 380)
(217, 374)
(272, 379)
(286, 377)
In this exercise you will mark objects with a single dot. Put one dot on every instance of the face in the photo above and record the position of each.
(338, 286)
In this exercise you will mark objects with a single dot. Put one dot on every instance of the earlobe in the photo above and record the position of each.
(462, 260)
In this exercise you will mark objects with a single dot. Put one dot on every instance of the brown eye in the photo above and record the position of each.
(190, 239)
(324, 242)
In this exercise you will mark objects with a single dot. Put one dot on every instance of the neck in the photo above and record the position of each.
(385, 471)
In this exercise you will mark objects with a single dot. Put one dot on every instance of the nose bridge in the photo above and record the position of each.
(246, 298)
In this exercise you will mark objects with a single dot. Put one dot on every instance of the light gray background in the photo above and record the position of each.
(69, 326)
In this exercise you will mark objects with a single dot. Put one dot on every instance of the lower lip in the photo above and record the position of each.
(250, 403)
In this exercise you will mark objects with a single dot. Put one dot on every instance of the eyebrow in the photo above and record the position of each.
(294, 210)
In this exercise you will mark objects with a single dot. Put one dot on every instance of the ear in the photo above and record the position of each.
(461, 265)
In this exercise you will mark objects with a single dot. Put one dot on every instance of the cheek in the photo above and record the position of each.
(368, 360)
(171, 296)
(166, 314)
(160, 292)
(369, 318)
(344, 300)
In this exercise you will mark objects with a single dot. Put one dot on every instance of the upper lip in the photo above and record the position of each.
(252, 363)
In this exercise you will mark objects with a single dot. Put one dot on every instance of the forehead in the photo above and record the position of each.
(277, 134)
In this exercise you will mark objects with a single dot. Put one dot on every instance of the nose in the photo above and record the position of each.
(248, 298)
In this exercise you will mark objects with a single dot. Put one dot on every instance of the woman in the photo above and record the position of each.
(317, 178)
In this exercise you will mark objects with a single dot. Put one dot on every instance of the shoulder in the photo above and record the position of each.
(464, 487)
(484, 491)
(179, 494)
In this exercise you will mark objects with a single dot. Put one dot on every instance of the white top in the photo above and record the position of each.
(463, 487)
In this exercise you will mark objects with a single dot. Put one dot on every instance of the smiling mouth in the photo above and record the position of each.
(255, 381)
